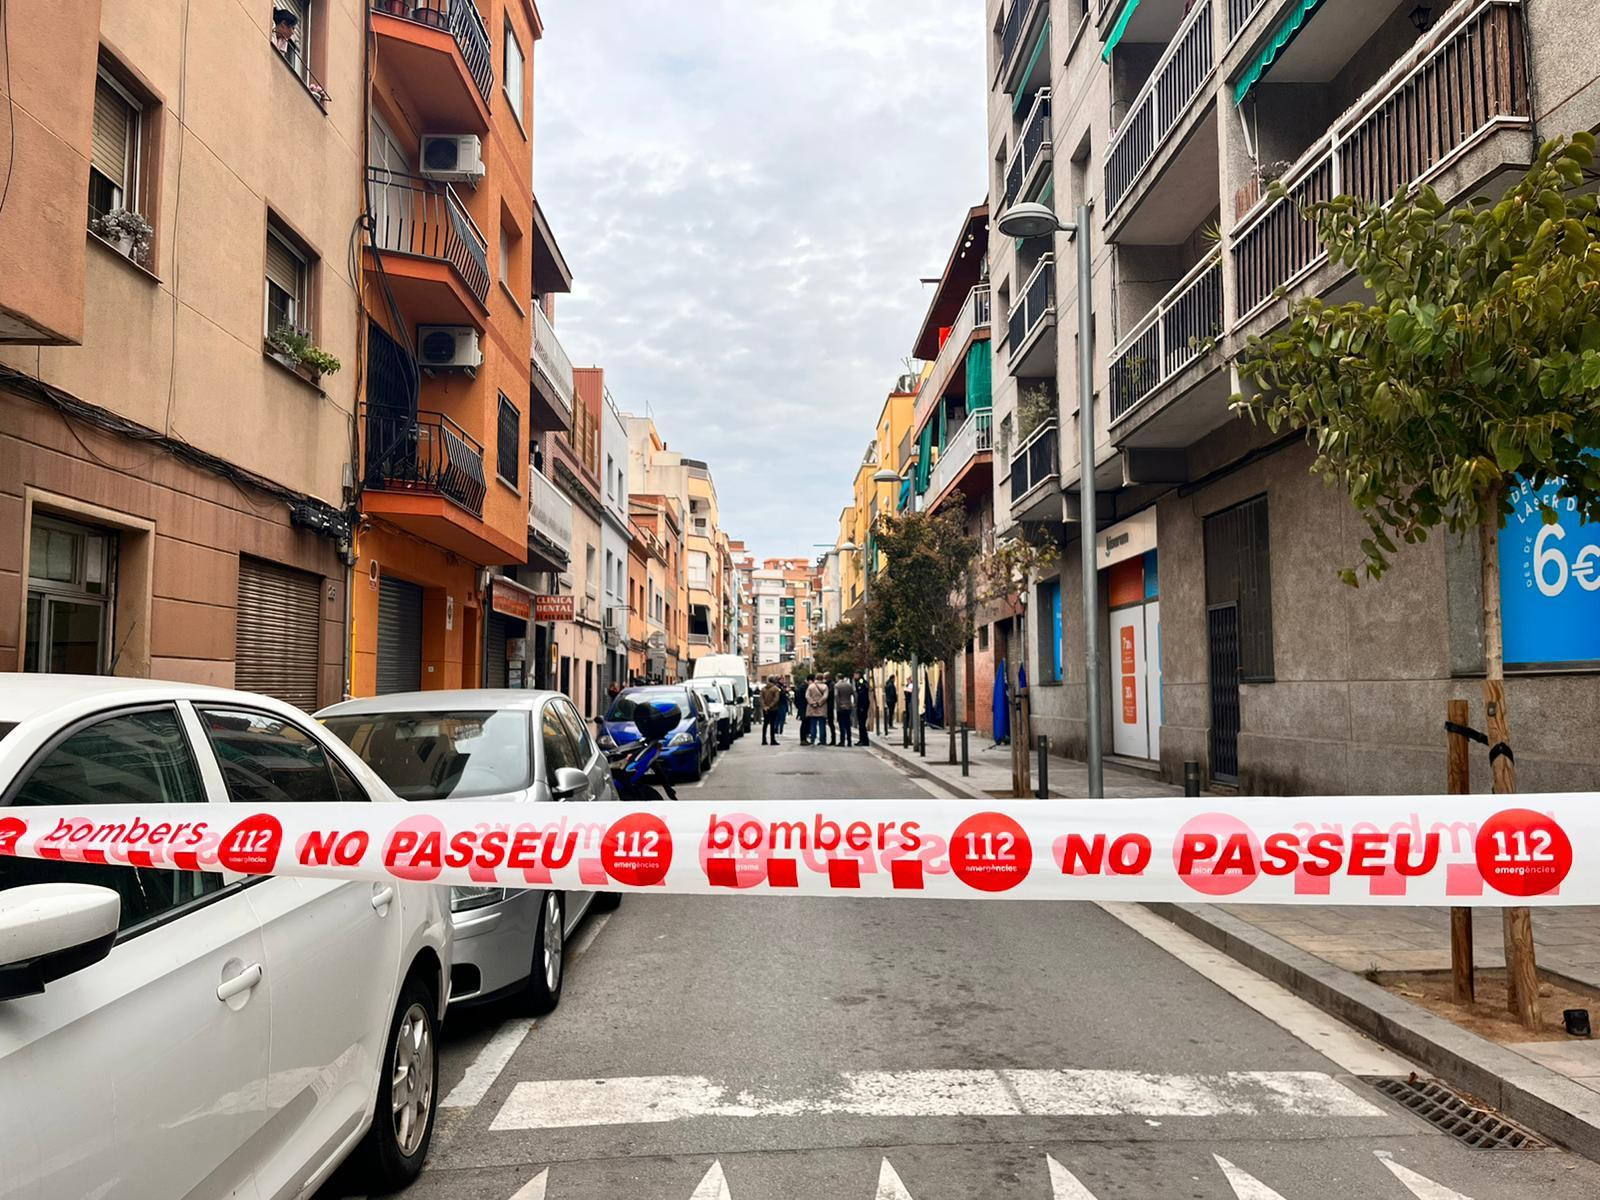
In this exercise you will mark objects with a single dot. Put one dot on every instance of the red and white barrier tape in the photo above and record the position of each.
(1314, 850)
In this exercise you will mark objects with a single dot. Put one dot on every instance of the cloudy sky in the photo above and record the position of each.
(747, 192)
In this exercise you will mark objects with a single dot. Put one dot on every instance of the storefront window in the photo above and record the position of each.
(70, 573)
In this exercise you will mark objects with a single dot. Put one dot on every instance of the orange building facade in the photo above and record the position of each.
(447, 274)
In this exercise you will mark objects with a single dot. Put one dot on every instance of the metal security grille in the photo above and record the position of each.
(1239, 571)
(399, 637)
(1222, 641)
(1463, 1119)
(277, 632)
(494, 652)
(508, 447)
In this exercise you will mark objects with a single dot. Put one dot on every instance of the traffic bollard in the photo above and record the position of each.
(1191, 778)
(966, 763)
(1044, 767)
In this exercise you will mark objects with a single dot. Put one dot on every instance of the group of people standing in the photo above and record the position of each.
(834, 710)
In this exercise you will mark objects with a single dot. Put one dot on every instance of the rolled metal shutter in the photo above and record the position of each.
(494, 653)
(399, 636)
(278, 633)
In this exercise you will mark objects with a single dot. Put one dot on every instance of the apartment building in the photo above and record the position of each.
(660, 519)
(616, 536)
(742, 572)
(174, 233)
(580, 641)
(1229, 640)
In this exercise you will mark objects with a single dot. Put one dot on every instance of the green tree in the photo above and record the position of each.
(922, 606)
(842, 649)
(1475, 366)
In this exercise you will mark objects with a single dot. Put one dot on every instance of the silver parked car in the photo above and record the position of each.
(489, 745)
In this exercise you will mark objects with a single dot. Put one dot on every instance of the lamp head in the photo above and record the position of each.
(1029, 220)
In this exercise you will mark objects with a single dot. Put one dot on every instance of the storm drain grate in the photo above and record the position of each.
(1463, 1119)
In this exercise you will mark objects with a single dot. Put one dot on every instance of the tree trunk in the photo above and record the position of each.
(1459, 783)
(1522, 973)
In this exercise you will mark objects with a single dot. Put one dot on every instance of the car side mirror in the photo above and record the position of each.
(569, 782)
(48, 930)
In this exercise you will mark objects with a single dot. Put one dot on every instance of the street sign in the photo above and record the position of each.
(554, 608)
(512, 601)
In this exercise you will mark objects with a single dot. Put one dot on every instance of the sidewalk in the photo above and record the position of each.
(991, 769)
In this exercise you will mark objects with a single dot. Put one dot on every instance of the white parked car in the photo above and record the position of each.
(723, 718)
(732, 668)
(168, 1033)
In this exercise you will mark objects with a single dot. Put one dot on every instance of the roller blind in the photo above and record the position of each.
(283, 265)
(114, 124)
(279, 626)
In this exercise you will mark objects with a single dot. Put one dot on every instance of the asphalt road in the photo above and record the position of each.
(770, 1048)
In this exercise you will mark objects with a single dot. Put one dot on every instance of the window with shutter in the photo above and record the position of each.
(286, 284)
(508, 448)
(114, 149)
(513, 72)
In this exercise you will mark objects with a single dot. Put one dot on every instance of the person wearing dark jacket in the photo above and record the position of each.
(800, 713)
(891, 693)
(833, 728)
(845, 705)
(863, 698)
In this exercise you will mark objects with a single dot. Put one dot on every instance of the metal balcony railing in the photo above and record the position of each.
(295, 58)
(1035, 461)
(1239, 14)
(1178, 330)
(1017, 18)
(1038, 300)
(1031, 149)
(1466, 78)
(550, 358)
(422, 452)
(417, 216)
(974, 315)
(459, 18)
(549, 512)
(1178, 79)
(976, 436)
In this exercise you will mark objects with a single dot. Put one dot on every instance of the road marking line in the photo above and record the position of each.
(1064, 1184)
(485, 1068)
(655, 1099)
(889, 1185)
(1421, 1187)
(1245, 1186)
(533, 1189)
(1325, 1034)
(713, 1186)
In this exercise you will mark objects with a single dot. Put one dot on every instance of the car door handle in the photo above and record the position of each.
(382, 897)
(240, 983)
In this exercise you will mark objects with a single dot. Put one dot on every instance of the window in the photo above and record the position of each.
(114, 148)
(590, 582)
(508, 446)
(267, 760)
(288, 283)
(1047, 620)
(611, 477)
(442, 755)
(512, 73)
(576, 730)
(1239, 572)
(505, 256)
(130, 758)
(71, 570)
(611, 572)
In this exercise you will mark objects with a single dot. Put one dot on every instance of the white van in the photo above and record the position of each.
(732, 668)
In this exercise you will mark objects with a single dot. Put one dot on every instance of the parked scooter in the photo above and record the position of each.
(634, 765)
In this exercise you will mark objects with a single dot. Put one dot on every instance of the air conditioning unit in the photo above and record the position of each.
(457, 158)
(448, 347)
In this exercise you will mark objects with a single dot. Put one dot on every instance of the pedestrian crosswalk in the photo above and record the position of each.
(1063, 1184)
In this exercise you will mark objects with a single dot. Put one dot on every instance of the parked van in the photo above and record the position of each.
(732, 668)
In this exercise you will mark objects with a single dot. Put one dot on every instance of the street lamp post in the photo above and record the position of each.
(1037, 220)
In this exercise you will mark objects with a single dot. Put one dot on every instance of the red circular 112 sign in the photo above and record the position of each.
(1523, 853)
(637, 850)
(990, 852)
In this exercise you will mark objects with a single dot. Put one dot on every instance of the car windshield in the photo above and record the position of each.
(442, 755)
(622, 707)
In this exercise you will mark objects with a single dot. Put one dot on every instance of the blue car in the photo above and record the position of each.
(687, 752)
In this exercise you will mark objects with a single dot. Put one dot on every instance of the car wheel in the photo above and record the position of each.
(699, 768)
(392, 1154)
(549, 971)
(606, 901)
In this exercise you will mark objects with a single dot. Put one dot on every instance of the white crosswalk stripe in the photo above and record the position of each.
(654, 1099)
(1420, 1187)
(533, 1189)
(889, 1185)
(1245, 1186)
(713, 1186)
(1064, 1184)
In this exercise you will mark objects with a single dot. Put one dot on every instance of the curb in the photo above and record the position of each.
(1544, 1100)
(915, 766)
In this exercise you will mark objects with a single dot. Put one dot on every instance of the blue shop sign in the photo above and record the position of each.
(1549, 583)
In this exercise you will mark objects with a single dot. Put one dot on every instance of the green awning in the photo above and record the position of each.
(1039, 45)
(1298, 15)
(1118, 30)
(924, 458)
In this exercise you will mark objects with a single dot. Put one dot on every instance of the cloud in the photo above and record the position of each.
(747, 192)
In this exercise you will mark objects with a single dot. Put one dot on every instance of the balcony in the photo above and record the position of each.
(965, 460)
(1180, 329)
(1032, 152)
(441, 48)
(552, 377)
(1035, 476)
(549, 522)
(1030, 344)
(433, 257)
(1466, 80)
(1239, 14)
(1018, 37)
(1178, 79)
(973, 319)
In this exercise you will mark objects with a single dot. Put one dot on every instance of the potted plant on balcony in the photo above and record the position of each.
(126, 231)
(293, 347)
